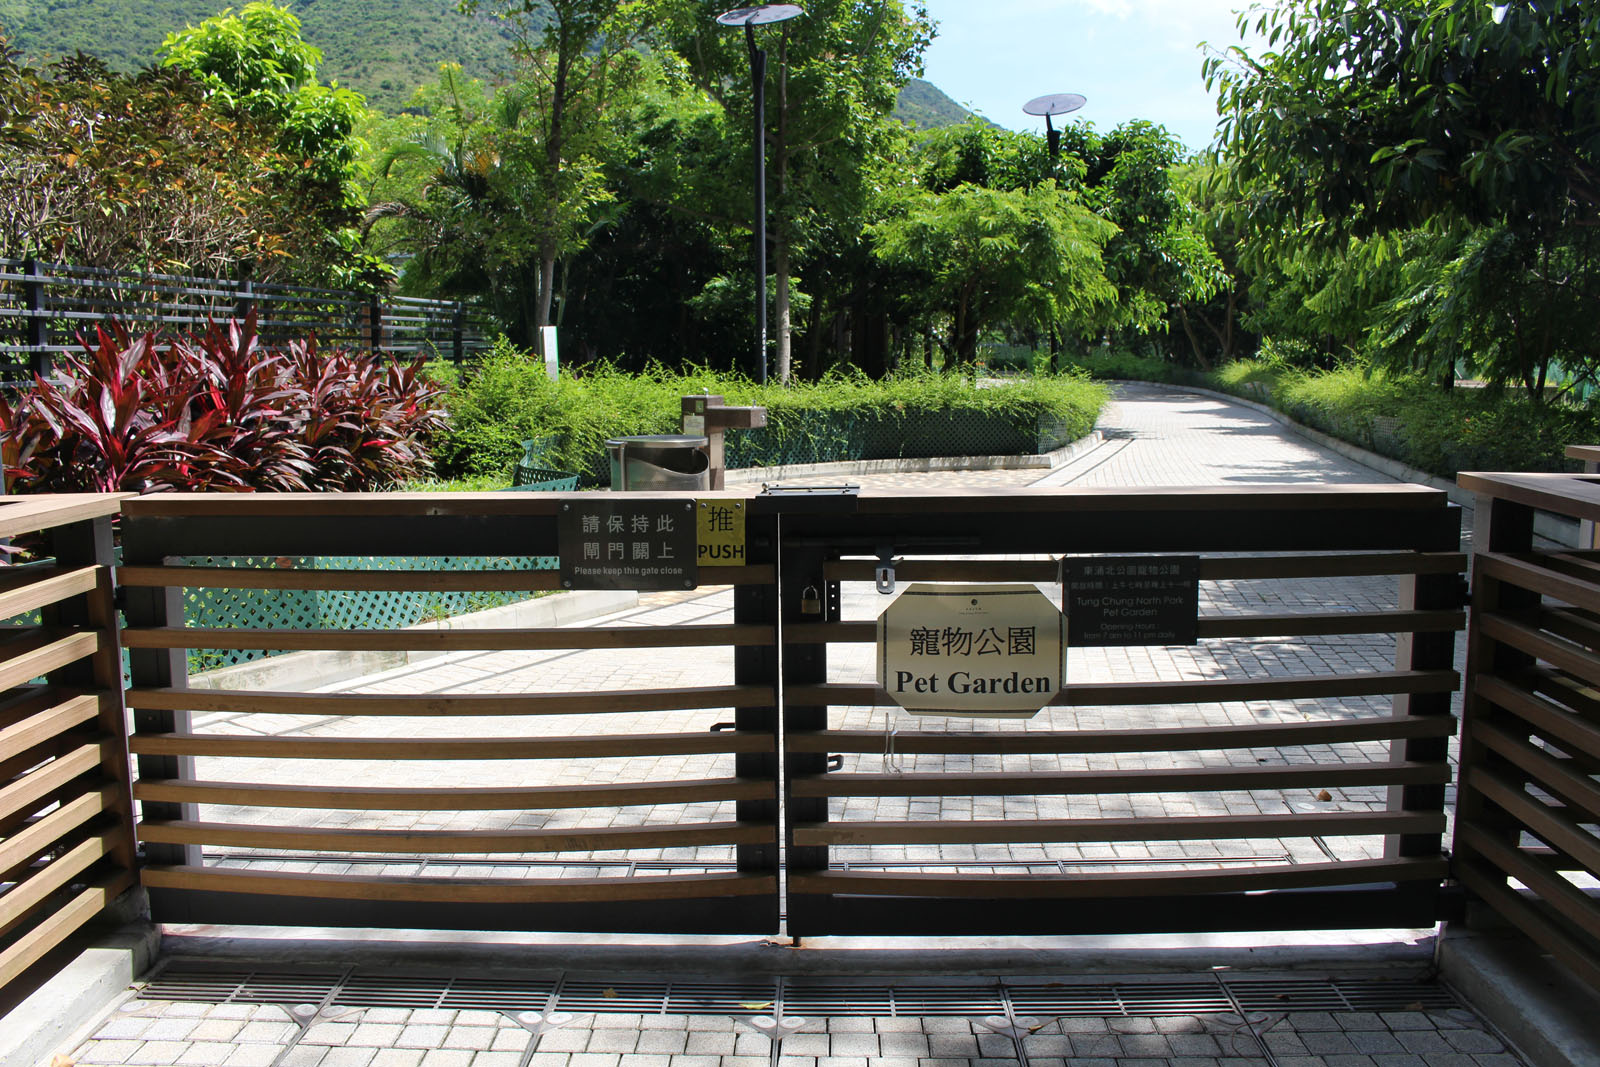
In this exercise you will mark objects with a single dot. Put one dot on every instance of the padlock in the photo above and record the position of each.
(810, 601)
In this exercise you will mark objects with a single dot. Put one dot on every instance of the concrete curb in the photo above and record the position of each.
(1041, 460)
(1558, 530)
(1552, 1018)
(308, 670)
(54, 1016)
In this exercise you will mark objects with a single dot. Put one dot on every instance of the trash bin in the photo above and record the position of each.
(659, 461)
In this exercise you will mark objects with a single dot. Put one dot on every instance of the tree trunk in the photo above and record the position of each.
(780, 229)
(781, 311)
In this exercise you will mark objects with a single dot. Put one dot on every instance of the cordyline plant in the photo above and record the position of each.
(216, 411)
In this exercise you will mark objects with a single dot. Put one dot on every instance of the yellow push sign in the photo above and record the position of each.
(721, 533)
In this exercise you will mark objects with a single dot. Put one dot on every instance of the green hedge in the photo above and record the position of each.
(508, 399)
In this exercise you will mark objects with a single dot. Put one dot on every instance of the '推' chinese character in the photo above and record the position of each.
(925, 642)
(1020, 640)
(719, 519)
(957, 642)
(989, 643)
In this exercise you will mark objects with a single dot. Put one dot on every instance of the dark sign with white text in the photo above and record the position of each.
(1131, 600)
(628, 544)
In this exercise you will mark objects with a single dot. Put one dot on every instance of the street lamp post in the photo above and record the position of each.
(750, 18)
(1050, 105)
(1054, 104)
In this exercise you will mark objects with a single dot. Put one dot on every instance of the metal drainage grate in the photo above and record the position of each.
(805, 997)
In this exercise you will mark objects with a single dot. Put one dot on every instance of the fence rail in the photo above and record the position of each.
(1526, 841)
(44, 306)
(66, 830)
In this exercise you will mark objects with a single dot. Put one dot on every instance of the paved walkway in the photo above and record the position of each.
(1153, 436)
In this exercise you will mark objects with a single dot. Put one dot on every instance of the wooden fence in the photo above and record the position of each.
(66, 832)
(598, 781)
(45, 306)
(1526, 841)
(1255, 736)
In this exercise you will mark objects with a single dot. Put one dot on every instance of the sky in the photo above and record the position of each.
(1133, 59)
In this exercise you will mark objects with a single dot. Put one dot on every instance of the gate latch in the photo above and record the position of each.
(884, 575)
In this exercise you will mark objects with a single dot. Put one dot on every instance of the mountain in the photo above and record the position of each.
(383, 49)
(925, 106)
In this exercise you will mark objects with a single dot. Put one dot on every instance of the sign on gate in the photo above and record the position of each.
(1131, 600)
(982, 651)
(627, 544)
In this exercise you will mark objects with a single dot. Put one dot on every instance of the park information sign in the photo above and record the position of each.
(627, 544)
(1131, 600)
(980, 651)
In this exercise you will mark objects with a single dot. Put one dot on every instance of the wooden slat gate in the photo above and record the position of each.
(1287, 772)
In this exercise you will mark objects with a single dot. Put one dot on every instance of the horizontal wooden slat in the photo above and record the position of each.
(1572, 495)
(27, 657)
(1261, 499)
(460, 890)
(1191, 739)
(448, 748)
(27, 843)
(1576, 789)
(1545, 822)
(1547, 718)
(1108, 694)
(687, 698)
(432, 842)
(45, 716)
(51, 587)
(1292, 624)
(36, 889)
(985, 831)
(431, 640)
(394, 581)
(1566, 655)
(1575, 905)
(1212, 569)
(369, 798)
(1582, 957)
(1527, 573)
(26, 514)
(1160, 780)
(28, 949)
(27, 793)
(376, 506)
(1097, 884)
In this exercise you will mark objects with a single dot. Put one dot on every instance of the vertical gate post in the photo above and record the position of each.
(33, 302)
(1499, 526)
(158, 668)
(89, 544)
(757, 604)
(458, 327)
(375, 322)
(1429, 651)
(805, 664)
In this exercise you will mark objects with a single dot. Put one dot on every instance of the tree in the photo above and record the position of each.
(835, 77)
(573, 70)
(256, 65)
(1029, 257)
(1442, 114)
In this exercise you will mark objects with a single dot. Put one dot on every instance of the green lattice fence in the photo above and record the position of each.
(336, 609)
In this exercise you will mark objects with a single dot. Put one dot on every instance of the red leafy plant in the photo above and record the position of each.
(218, 411)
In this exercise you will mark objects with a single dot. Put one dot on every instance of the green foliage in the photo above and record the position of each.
(509, 399)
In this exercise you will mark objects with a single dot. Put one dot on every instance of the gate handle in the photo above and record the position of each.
(718, 727)
(836, 762)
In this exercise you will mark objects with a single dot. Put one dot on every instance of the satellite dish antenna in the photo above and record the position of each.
(1054, 104)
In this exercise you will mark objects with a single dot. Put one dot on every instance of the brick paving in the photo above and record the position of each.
(1153, 436)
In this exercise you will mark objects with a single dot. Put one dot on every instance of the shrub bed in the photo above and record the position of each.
(508, 399)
